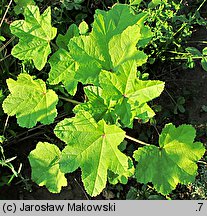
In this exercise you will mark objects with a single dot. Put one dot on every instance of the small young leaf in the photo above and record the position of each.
(35, 34)
(94, 148)
(173, 162)
(2, 139)
(45, 167)
(83, 28)
(30, 101)
(143, 112)
(2, 38)
(204, 108)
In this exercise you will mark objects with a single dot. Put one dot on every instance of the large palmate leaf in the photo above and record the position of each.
(122, 96)
(93, 147)
(111, 43)
(45, 168)
(173, 162)
(130, 94)
(63, 70)
(30, 101)
(35, 34)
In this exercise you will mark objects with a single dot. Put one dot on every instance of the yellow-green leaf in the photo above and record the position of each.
(45, 167)
(94, 148)
(173, 162)
(30, 101)
(35, 34)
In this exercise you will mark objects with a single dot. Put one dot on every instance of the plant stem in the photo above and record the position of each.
(7, 43)
(70, 100)
(184, 58)
(136, 140)
(2, 20)
(202, 42)
(170, 97)
(179, 53)
(202, 162)
(199, 7)
(6, 124)
(54, 45)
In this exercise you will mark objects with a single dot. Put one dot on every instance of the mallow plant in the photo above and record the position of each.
(104, 58)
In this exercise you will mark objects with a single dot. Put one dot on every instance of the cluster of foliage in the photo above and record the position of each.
(171, 26)
(103, 57)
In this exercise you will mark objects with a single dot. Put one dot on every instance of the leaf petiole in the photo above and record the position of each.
(136, 140)
(70, 100)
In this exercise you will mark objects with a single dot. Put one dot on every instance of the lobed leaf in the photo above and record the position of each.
(111, 42)
(173, 162)
(93, 147)
(35, 34)
(30, 101)
(45, 167)
(130, 94)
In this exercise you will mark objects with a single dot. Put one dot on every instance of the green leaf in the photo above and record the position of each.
(135, 2)
(146, 36)
(204, 63)
(122, 48)
(30, 101)
(45, 167)
(63, 70)
(83, 28)
(2, 38)
(95, 105)
(173, 162)
(123, 179)
(154, 3)
(21, 4)
(93, 147)
(204, 59)
(112, 103)
(115, 21)
(2, 139)
(35, 34)
(192, 50)
(63, 67)
(63, 40)
(129, 93)
(143, 112)
(112, 42)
